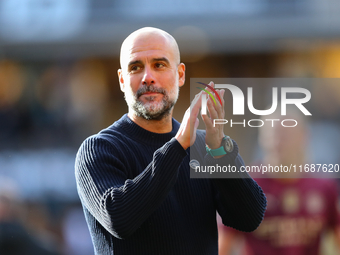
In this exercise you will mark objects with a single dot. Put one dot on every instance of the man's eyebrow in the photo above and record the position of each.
(134, 62)
(153, 60)
(161, 59)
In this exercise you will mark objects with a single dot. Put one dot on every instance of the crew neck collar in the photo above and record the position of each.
(136, 132)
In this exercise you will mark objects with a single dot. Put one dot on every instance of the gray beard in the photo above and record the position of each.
(149, 112)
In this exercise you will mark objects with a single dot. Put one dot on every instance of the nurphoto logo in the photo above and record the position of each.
(239, 104)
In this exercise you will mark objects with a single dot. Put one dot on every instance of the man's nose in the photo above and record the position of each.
(148, 78)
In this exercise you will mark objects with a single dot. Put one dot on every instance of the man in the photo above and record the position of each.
(299, 210)
(133, 177)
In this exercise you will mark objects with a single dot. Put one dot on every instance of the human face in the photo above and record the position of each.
(151, 75)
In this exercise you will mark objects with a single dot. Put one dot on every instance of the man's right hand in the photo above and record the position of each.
(186, 134)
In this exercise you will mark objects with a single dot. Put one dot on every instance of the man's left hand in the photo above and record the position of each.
(214, 135)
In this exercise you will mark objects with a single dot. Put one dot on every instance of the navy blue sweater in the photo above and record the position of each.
(138, 197)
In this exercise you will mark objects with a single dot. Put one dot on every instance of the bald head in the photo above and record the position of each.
(141, 39)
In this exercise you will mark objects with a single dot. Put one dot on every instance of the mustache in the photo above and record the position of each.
(150, 88)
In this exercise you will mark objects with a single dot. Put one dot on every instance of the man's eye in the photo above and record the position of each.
(159, 65)
(134, 68)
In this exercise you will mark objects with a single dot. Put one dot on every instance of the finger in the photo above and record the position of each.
(195, 106)
(208, 119)
(220, 108)
(213, 110)
(216, 96)
(222, 96)
(197, 122)
(208, 122)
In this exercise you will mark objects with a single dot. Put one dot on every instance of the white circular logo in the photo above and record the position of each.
(194, 163)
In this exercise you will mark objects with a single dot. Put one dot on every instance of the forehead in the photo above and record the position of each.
(149, 45)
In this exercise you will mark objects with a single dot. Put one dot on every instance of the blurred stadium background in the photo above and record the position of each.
(58, 82)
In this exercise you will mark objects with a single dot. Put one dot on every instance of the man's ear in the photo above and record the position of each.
(181, 74)
(121, 80)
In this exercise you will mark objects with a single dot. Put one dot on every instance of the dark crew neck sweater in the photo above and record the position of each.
(138, 197)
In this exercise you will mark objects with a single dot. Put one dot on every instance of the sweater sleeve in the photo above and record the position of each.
(240, 201)
(120, 204)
